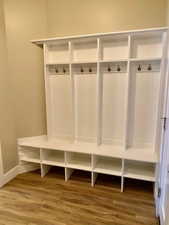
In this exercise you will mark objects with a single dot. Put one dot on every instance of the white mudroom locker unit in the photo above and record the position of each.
(104, 105)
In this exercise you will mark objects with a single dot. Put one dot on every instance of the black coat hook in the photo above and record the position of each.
(109, 68)
(118, 68)
(64, 71)
(149, 67)
(139, 67)
(81, 70)
(90, 70)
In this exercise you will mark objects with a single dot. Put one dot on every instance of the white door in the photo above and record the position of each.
(163, 201)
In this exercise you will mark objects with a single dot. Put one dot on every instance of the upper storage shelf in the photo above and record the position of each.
(57, 53)
(114, 48)
(84, 50)
(146, 46)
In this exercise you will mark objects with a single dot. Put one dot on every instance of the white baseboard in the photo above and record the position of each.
(8, 176)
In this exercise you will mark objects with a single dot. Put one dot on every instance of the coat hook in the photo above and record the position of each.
(139, 67)
(90, 70)
(81, 70)
(118, 68)
(149, 67)
(109, 68)
(64, 71)
(56, 70)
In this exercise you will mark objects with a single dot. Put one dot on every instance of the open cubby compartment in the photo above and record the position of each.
(57, 52)
(147, 45)
(84, 50)
(114, 90)
(53, 171)
(60, 109)
(57, 69)
(139, 170)
(85, 103)
(53, 157)
(84, 68)
(143, 100)
(114, 48)
(29, 154)
(107, 165)
(78, 160)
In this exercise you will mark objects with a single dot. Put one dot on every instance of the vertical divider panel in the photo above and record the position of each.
(162, 95)
(73, 88)
(99, 94)
(94, 178)
(44, 169)
(127, 110)
(131, 85)
(48, 113)
(94, 174)
(122, 177)
(68, 171)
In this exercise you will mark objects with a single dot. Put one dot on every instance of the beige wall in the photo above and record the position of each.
(7, 127)
(26, 20)
(66, 17)
(33, 19)
(167, 12)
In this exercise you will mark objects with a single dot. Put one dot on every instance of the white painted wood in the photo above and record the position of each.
(122, 177)
(145, 46)
(107, 165)
(68, 173)
(143, 31)
(85, 103)
(78, 161)
(113, 107)
(57, 52)
(29, 154)
(61, 106)
(94, 178)
(47, 94)
(142, 154)
(99, 95)
(114, 48)
(102, 110)
(139, 170)
(45, 169)
(53, 157)
(84, 50)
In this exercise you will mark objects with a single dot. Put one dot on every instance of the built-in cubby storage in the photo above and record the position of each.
(77, 160)
(107, 165)
(104, 102)
(145, 86)
(85, 101)
(114, 88)
(139, 170)
(114, 48)
(53, 157)
(147, 45)
(57, 52)
(84, 50)
(29, 154)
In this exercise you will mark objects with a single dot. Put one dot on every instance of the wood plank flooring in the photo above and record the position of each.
(31, 200)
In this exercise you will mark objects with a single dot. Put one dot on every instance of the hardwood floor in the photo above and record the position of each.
(31, 200)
